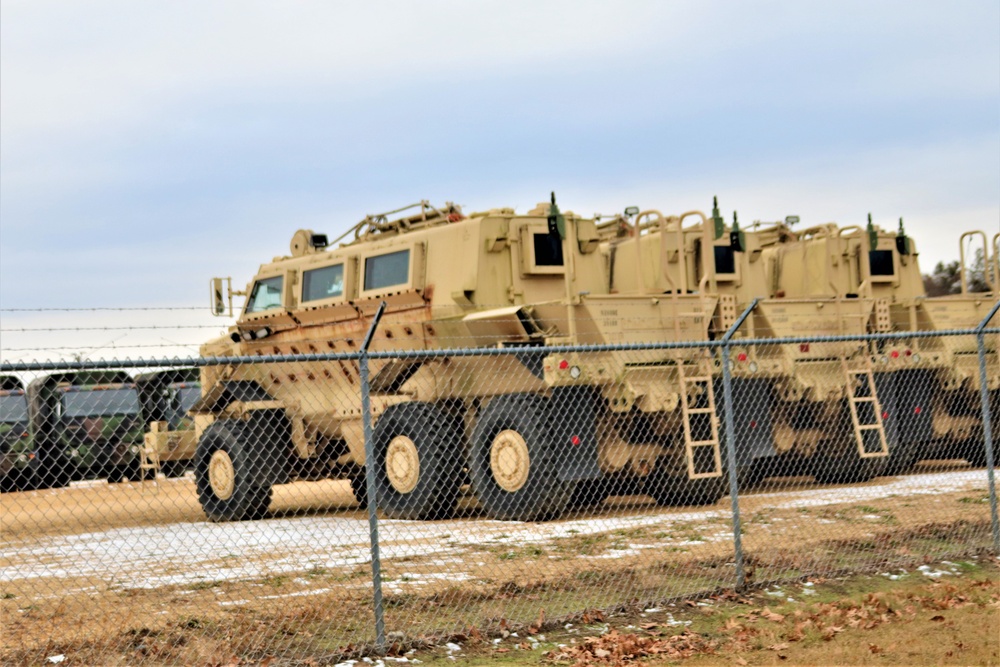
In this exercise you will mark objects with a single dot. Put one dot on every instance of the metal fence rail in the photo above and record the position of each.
(355, 501)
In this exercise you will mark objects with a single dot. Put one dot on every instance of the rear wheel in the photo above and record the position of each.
(842, 467)
(670, 485)
(417, 462)
(228, 474)
(173, 468)
(589, 493)
(513, 462)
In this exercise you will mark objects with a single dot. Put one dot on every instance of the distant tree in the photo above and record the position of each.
(947, 278)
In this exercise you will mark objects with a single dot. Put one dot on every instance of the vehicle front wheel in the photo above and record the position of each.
(228, 474)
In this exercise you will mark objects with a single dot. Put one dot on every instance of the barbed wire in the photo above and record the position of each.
(122, 328)
(99, 308)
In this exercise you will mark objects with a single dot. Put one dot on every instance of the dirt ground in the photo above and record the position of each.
(133, 572)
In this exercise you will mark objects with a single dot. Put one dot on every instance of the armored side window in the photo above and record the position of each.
(387, 270)
(725, 259)
(548, 250)
(266, 295)
(880, 262)
(323, 283)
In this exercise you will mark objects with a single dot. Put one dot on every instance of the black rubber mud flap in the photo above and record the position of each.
(905, 397)
(573, 432)
(752, 400)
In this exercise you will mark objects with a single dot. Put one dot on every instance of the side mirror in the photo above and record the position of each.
(222, 302)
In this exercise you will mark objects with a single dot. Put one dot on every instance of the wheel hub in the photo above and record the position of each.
(221, 475)
(402, 464)
(510, 460)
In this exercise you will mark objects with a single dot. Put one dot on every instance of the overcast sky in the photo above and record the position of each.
(145, 147)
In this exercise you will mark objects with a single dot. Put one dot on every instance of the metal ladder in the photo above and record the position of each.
(854, 400)
(686, 410)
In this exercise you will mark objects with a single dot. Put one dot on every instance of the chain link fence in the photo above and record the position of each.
(167, 511)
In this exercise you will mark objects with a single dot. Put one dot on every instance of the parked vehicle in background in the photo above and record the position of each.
(85, 424)
(15, 443)
(166, 396)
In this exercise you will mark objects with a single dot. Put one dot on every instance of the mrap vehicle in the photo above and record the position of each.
(529, 430)
(798, 408)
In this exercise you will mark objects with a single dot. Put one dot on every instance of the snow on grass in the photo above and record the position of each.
(186, 553)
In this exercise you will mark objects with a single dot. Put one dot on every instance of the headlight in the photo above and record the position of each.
(753, 367)
(916, 357)
(574, 372)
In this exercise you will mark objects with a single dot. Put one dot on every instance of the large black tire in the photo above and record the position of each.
(52, 473)
(589, 493)
(843, 467)
(531, 489)
(418, 462)
(359, 487)
(974, 450)
(173, 468)
(670, 486)
(225, 449)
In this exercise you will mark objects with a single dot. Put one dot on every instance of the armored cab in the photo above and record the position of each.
(798, 408)
(85, 424)
(532, 432)
(926, 412)
(15, 444)
(166, 396)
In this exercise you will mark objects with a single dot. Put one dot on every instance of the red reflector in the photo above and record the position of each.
(885, 415)
(563, 365)
(917, 410)
(575, 440)
(742, 356)
(753, 423)
(803, 347)
(908, 353)
(894, 354)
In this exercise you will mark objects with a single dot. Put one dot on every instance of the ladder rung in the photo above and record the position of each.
(858, 371)
(867, 427)
(700, 411)
(704, 443)
(863, 399)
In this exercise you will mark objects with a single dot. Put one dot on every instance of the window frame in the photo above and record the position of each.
(529, 263)
(414, 271)
(344, 295)
(282, 305)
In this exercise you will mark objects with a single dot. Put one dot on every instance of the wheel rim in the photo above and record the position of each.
(221, 475)
(402, 464)
(510, 460)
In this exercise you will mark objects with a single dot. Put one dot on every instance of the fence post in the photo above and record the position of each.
(727, 402)
(984, 395)
(366, 420)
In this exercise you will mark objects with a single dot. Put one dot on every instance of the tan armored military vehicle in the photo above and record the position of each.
(928, 387)
(529, 431)
(798, 407)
